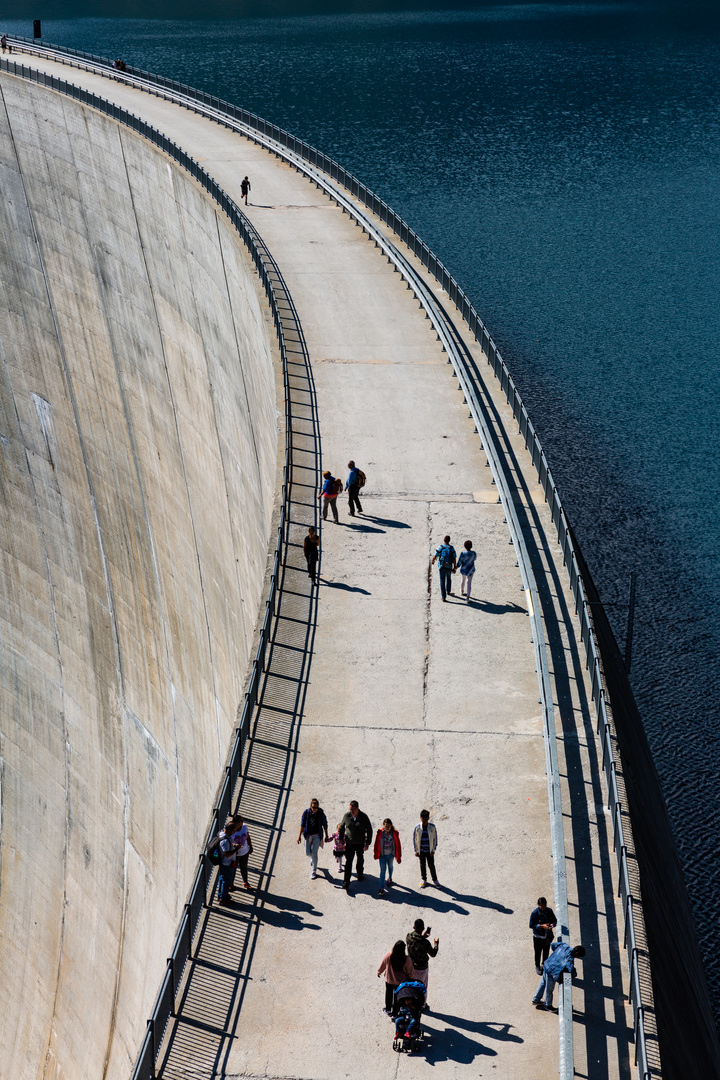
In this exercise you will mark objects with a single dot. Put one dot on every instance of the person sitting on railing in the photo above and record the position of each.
(559, 961)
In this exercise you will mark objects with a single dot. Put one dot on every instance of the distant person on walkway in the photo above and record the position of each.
(356, 830)
(243, 850)
(226, 869)
(4, 42)
(245, 188)
(542, 924)
(311, 550)
(397, 967)
(560, 960)
(338, 848)
(355, 480)
(425, 844)
(313, 825)
(445, 558)
(329, 494)
(387, 849)
(466, 566)
(419, 950)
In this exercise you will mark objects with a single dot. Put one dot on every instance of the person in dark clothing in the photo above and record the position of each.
(357, 831)
(245, 188)
(419, 950)
(446, 560)
(352, 486)
(542, 924)
(311, 550)
(312, 826)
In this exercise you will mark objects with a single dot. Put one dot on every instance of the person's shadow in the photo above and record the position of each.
(388, 522)
(341, 585)
(438, 898)
(451, 1045)
(487, 1028)
(289, 914)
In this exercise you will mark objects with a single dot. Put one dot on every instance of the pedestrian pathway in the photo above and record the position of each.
(393, 698)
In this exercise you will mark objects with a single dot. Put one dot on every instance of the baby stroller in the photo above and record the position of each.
(408, 1002)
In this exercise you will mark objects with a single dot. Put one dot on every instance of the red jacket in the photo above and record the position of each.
(396, 838)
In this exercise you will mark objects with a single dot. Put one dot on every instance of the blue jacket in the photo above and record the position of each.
(352, 478)
(559, 960)
(542, 917)
(327, 488)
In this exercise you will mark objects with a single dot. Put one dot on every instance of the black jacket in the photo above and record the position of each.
(357, 830)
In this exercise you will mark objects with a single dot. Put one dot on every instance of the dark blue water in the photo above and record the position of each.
(564, 162)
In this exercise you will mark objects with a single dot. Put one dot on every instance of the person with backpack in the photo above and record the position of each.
(312, 826)
(445, 558)
(419, 950)
(330, 490)
(356, 480)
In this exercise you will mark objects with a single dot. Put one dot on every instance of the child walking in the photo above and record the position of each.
(338, 848)
(466, 566)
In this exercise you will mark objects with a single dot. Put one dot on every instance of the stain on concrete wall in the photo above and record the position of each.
(137, 475)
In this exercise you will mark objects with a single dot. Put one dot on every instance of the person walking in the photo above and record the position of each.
(445, 558)
(355, 480)
(420, 950)
(466, 566)
(396, 966)
(312, 826)
(387, 849)
(243, 847)
(329, 494)
(425, 844)
(311, 551)
(245, 187)
(226, 868)
(542, 924)
(357, 833)
(560, 960)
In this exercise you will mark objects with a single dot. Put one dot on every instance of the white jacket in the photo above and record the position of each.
(432, 837)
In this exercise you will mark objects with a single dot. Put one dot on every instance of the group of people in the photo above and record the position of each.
(353, 837)
(333, 487)
(552, 958)
(399, 966)
(235, 848)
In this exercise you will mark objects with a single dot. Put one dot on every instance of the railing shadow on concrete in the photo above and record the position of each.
(640, 984)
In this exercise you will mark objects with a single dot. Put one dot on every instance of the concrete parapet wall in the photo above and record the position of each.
(137, 477)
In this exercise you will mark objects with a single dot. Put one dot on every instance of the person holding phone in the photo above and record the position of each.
(419, 950)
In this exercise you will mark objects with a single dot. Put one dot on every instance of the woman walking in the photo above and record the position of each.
(243, 846)
(466, 566)
(387, 849)
(397, 967)
(329, 495)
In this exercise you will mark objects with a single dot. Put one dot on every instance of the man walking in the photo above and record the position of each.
(357, 831)
(419, 949)
(352, 486)
(560, 960)
(329, 493)
(542, 924)
(244, 189)
(425, 844)
(312, 826)
(446, 560)
(311, 549)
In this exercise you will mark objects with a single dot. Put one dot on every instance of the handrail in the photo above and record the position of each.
(181, 952)
(301, 154)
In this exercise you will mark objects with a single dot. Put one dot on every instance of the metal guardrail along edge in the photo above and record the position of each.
(291, 148)
(182, 947)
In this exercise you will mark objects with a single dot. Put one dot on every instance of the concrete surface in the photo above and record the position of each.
(410, 702)
(138, 433)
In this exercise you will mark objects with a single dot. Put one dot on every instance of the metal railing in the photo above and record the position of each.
(301, 154)
(181, 951)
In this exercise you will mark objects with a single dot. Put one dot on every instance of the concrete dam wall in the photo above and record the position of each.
(137, 479)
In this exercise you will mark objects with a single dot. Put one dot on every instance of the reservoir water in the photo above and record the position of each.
(564, 162)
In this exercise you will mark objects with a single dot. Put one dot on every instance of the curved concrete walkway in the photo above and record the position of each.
(411, 702)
